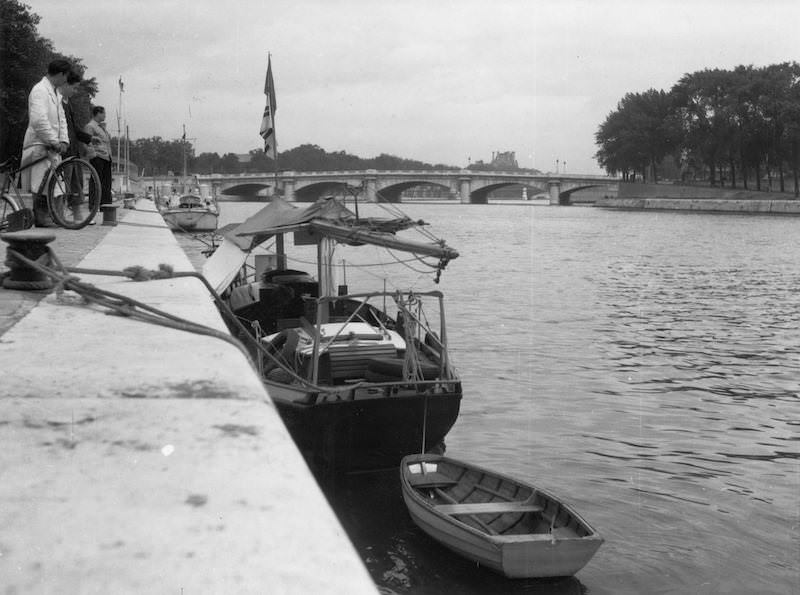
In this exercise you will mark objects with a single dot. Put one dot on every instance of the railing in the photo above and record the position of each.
(413, 173)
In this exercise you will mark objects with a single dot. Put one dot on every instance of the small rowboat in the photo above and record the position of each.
(501, 523)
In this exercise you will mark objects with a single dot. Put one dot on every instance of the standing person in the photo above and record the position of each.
(46, 135)
(100, 152)
(76, 135)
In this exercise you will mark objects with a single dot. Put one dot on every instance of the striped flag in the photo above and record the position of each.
(268, 121)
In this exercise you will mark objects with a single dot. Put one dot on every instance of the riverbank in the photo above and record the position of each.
(137, 457)
(634, 196)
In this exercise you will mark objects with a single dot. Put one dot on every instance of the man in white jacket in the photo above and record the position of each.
(47, 134)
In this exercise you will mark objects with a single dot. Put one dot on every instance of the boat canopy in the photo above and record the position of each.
(328, 217)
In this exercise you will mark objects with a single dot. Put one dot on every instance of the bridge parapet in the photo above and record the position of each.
(470, 185)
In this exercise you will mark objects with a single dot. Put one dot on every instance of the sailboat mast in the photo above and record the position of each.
(183, 148)
(325, 274)
(119, 129)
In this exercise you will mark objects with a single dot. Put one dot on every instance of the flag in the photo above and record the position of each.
(268, 121)
(121, 89)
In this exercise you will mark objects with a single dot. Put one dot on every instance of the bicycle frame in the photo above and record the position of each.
(11, 181)
(12, 200)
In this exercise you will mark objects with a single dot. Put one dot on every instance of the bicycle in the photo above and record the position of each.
(72, 189)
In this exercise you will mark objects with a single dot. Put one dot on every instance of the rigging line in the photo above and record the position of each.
(397, 212)
(350, 263)
(421, 273)
(418, 259)
(388, 206)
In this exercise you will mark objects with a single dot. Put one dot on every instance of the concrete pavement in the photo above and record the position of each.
(137, 458)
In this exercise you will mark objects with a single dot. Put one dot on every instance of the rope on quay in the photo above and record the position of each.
(122, 305)
(139, 273)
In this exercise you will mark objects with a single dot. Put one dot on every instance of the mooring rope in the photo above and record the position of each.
(137, 310)
(120, 304)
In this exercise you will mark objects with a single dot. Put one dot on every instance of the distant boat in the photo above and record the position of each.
(501, 523)
(191, 212)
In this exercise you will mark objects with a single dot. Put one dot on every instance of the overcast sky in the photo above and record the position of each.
(442, 81)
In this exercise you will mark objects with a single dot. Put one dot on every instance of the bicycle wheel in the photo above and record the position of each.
(73, 193)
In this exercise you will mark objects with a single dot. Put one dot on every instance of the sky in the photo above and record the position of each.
(440, 81)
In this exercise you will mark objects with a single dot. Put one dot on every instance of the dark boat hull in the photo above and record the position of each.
(370, 433)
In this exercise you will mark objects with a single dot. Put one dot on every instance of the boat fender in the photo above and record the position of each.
(273, 348)
(392, 368)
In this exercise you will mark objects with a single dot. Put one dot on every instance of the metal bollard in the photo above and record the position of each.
(31, 244)
(109, 214)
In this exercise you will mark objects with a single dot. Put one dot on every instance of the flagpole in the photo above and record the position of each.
(127, 157)
(275, 132)
(119, 130)
(275, 161)
(183, 147)
(267, 130)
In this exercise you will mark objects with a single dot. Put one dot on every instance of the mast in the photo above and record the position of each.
(127, 157)
(325, 248)
(183, 150)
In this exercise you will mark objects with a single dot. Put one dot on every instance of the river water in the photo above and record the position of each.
(643, 366)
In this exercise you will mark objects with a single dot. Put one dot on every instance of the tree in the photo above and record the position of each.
(780, 107)
(230, 164)
(259, 162)
(159, 157)
(206, 163)
(791, 114)
(24, 56)
(700, 102)
(638, 135)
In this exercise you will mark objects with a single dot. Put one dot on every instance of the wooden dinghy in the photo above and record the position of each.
(499, 522)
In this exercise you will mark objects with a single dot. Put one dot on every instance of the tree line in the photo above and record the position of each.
(24, 56)
(156, 156)
(732, 127)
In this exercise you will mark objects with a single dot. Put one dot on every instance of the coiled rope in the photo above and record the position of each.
(125, 306)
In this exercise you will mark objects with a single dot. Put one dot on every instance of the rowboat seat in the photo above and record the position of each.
(431, 480)
(488, 508)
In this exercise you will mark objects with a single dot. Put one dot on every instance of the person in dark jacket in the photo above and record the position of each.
(75, 133)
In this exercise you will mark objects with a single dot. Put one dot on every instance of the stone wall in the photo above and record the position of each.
(699, 198)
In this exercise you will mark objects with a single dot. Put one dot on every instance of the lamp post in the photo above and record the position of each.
(556, 165)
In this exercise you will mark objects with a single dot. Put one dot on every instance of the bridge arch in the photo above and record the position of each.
(313, 191)
(392, 192)
(565, 194)
(248, 189)
(481, 195)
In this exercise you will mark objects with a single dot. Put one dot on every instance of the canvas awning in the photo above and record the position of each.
(221, 267)
(330, 218)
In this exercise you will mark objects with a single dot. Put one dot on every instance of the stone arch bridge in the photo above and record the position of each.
(467, 186)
